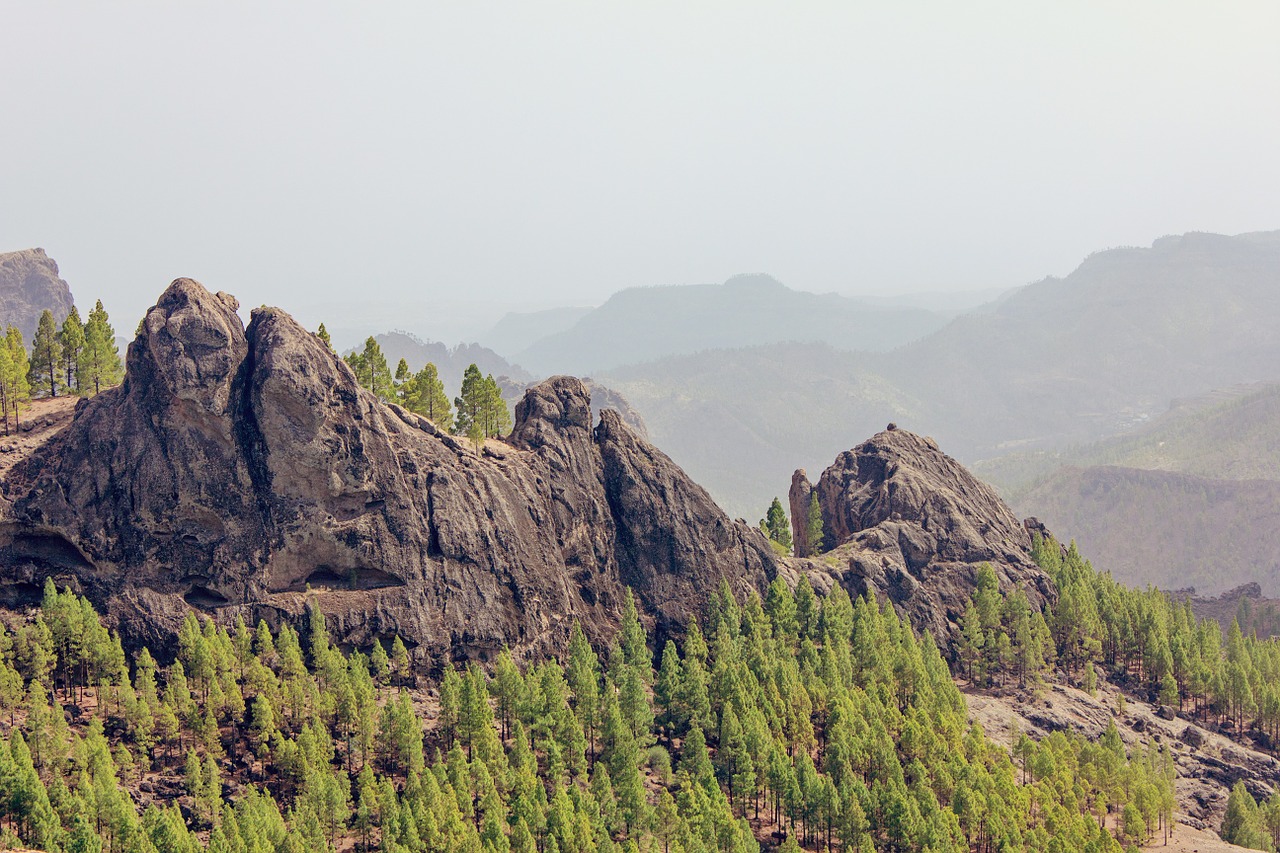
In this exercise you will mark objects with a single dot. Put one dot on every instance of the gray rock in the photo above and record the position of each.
(244, 472)
(30, 284)
(913, 526)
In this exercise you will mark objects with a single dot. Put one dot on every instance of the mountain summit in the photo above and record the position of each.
(244, 472)
(908, 522)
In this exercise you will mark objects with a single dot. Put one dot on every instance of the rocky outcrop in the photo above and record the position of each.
(30, 285)
(664, 519)
(608, 398)
(912, 525)
(245, 472)
(799, 497)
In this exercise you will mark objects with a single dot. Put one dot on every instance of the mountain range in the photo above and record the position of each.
(241, 472)
(643, 324)
(1190, 499)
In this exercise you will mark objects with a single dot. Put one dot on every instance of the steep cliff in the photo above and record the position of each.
(244, 471)
(30, 284)
(910, 523)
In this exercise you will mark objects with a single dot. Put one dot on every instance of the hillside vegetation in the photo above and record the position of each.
(824, 722)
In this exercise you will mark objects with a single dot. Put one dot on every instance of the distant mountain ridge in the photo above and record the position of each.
(518, 330)
(1059, 362)
(1078, 358)
(642, 324)
(1192, 499)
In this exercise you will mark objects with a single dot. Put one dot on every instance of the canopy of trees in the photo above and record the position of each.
(822, 722)
(78, 358)
(481, 411)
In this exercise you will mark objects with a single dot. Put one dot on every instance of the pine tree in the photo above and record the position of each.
(776, 526)
(427, 397)
(46, 355)
(402, 376)
(100, 358)
(15, 387)
(72, 340)
(323, 334)
(371, 369)
(813, 526)
(497, 417)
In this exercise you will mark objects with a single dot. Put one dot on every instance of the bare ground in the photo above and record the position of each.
(35, 426)
(1208, 762)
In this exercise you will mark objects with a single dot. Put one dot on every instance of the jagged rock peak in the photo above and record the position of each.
(914, 525)
(897, 475)
(245, 472)
(189, 346)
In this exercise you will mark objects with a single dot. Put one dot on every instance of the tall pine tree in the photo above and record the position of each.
(72, 340)
(46, 355)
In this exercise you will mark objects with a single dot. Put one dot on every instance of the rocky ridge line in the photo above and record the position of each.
(243, 472)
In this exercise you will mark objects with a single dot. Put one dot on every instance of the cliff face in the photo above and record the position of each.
(913, 525)
(242, 471)
(29, 284)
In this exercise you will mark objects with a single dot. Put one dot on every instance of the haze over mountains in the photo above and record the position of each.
(642, 324)
(1058, 362)
(1192, 499)
(739, 381)
(742, 381)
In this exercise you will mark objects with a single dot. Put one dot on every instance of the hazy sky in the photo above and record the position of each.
(446, 154)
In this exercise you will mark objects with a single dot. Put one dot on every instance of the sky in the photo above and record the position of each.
(428, 165)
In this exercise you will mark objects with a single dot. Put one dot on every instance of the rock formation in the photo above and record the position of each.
(244, 472)
(798, 499)
(911, 524)
(29, 284)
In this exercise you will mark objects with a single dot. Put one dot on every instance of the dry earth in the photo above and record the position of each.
(35, 426)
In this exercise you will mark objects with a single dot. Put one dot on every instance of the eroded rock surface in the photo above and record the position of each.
(30, 284)
(242, 471)
(910, 523)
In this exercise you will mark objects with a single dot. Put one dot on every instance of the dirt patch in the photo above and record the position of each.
(37, 425)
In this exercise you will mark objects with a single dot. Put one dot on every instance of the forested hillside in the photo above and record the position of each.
(802, 721)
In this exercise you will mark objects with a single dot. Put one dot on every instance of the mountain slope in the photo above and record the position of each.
(646, 323)
(1193, 499)
(1226, 435)
(1061, 362)
(1168, 529)
(30, 284)
(1081, 357)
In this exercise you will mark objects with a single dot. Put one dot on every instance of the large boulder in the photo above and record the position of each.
(906, 521)
(244, 472)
